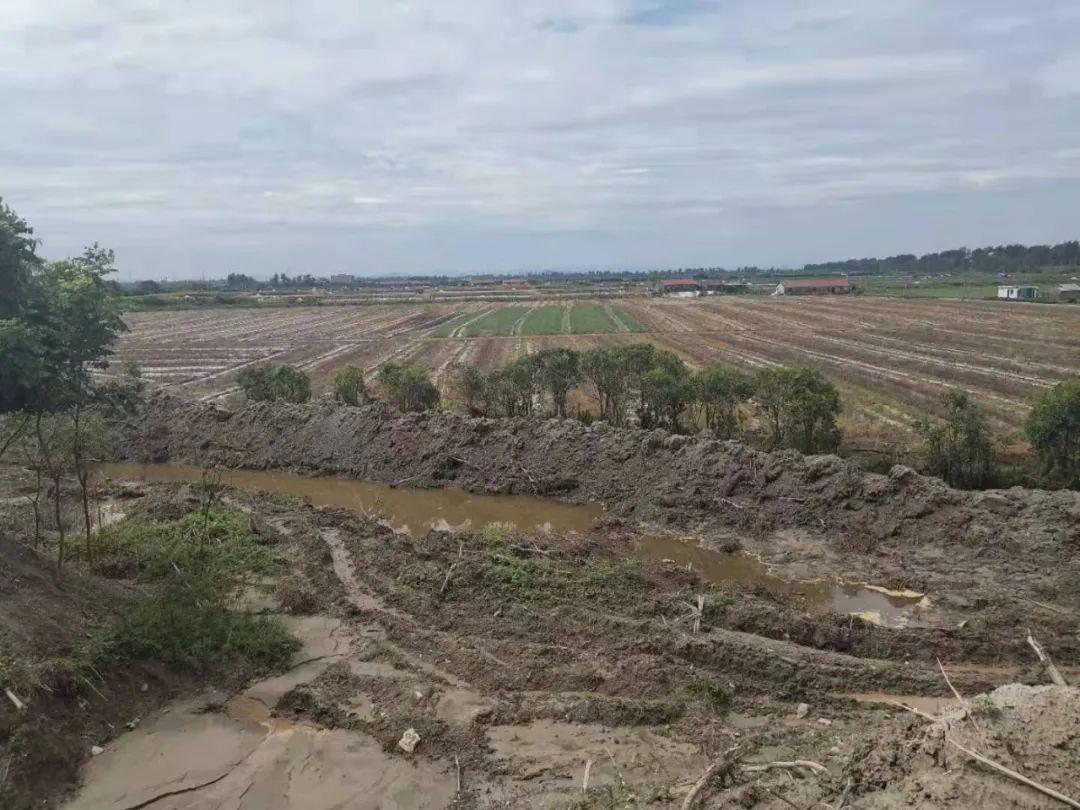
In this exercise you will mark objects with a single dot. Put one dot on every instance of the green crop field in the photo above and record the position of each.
(625, 320)
(543, 321)
(497, 322)
(590, 319)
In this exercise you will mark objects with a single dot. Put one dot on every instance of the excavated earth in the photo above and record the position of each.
(532, 665)
(550, 669)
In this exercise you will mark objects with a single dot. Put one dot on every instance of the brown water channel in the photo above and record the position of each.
(415, 510)
(870, 602)
(406, 509)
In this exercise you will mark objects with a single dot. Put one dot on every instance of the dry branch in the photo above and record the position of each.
(793, 764)
(997, 766)
(19, 705)
(719, 767)
(1051, 670)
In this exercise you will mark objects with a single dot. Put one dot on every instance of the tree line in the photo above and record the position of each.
(1011, 258)
(793, 407)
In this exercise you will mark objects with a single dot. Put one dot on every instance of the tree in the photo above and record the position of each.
(606, 370)
(666, 392)
(801, 406)
(239, 281)
(720, 392)
(17, 260)
(959, 450)
(1053, 428)
(408, 388)
(469, 385)
(349, 386)
(557, 371)
(268, 383)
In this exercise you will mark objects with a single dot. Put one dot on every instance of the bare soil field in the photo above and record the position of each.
(892, 358)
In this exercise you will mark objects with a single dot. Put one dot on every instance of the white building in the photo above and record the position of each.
(1020, 292)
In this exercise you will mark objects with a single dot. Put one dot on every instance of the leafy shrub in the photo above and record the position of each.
(801, 407)
(1053, 428)
(959, 450)
(408, 388)
(349, 386)
(267, 383)
(190, 566)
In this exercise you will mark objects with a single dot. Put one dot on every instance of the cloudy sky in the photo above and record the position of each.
(468, 135)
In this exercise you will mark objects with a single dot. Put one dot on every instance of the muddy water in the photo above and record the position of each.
(403, 508)
(877, 605)
(409, 509)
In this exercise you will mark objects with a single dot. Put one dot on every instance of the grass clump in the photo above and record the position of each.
(713, 693)
(190, 566)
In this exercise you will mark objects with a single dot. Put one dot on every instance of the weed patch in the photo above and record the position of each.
(190, 565)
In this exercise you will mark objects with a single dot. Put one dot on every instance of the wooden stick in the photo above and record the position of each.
(963, 703)
(1051, 670)
(1053, 608)
(997, 766)
(449, 573)
(457, 765)
(19, 705)
(726, 760)
(585, 778)
(793, 764)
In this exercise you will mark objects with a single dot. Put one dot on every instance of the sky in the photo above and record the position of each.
(258, 136)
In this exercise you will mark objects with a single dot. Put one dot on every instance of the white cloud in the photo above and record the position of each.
(421, 133)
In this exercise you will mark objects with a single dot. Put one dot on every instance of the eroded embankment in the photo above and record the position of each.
(637, 474)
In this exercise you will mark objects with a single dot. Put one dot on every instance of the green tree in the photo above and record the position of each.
(720, 392)
(605, 369)
(349, 386)
(1053, 428)
(408, 388)
(959, 450)
(469, 385)
(523, 376)
(269, 382)
(557, 371)
(17, 260)
(801, 407)
(667, 391)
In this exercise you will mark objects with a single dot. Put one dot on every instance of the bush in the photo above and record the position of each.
(408, 388)
(1053, 428)
(268, 383)
(801, 406)
(959, 450)
(190, 566)
(349, 386)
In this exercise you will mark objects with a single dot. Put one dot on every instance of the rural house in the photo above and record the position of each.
(814, 286)
(680, 287)
(1019, 292)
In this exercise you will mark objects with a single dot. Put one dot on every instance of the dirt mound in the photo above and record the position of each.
(637, 474)
(1029, 729)
(62, 712)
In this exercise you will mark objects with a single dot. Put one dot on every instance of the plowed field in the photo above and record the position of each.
(892, 358)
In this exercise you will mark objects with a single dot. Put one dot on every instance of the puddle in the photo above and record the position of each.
(934, 706)
(405, 509)
(870, 602)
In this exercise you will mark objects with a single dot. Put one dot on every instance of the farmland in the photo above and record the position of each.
(891, 358)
